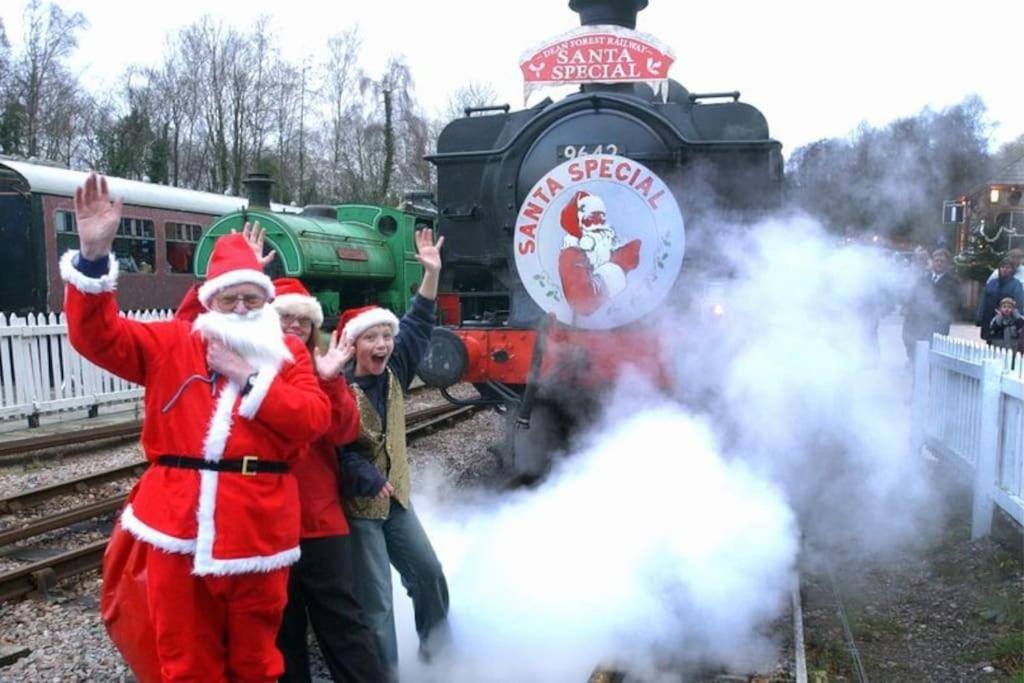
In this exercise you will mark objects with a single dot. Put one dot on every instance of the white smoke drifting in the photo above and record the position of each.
(668, 540)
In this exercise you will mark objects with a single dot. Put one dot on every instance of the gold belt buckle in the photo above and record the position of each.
(246, 460)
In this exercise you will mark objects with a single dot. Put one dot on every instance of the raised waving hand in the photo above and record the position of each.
(254, 234)
(97, 216)
(331, 362)
(429, 256)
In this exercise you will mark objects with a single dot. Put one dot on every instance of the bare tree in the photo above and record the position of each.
(50, 36)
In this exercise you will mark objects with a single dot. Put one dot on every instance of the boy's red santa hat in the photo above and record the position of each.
(292, 298)
(581, 205)
(355, 321)
(233, 263)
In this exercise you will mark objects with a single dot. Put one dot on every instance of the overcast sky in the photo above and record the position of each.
(815, 68)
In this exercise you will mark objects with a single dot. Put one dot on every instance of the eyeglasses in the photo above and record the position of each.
(228, 302)
(300, 320)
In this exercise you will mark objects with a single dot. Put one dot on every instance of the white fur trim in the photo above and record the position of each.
(570, 241)
(207, 530)
(142, 531)
(83, 283)
(297, 304)
(252, 401)
(213, 450)
(232, 278)
(364, 321)
(220, 424)
(613, 276)
(246, 565)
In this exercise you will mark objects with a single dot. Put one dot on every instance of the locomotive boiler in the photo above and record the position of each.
(347, 255)
(571, 224)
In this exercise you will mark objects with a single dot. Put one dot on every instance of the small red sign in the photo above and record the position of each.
(597, 54)
(350, 254)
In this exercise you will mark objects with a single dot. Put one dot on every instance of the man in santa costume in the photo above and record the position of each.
(592, 265)
(229, 402)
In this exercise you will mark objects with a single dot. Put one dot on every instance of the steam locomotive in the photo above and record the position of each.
(564, 236)
(347, 255)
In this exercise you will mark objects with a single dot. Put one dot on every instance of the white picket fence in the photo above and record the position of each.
(40, 373)
(969, 409)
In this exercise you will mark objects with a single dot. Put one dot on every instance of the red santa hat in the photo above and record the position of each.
(233, 263)
(355, 321)
(293, 298)
(582, 204)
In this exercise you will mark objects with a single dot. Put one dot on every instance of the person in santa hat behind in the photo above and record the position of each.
(321, 583)
(375, 477)
(229, 401)
(592, 265)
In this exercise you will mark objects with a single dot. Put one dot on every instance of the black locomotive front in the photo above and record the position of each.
(716, 156)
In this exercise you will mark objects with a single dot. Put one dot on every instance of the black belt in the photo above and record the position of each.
(248, 465)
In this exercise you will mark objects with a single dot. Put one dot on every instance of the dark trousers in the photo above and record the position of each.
(320, 585)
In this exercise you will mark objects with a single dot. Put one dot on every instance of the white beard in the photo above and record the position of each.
(256, 335)
(597, 243)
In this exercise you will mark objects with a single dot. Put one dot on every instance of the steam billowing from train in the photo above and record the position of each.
(668, 540)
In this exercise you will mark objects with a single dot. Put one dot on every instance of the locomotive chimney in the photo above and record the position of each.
(616, 12)
(257, 187)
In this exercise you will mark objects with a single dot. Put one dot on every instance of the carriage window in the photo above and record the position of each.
(67, 231)
(134, 245)
(181, 245)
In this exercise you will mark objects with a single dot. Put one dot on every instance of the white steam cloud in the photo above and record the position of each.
(668, 540)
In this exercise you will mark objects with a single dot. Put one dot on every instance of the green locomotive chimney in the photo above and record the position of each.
(257, 188)
(616, 12)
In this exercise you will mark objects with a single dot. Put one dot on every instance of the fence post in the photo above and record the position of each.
(919, 407)
(985, 469)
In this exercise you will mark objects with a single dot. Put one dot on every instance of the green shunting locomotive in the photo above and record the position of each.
(347, 255)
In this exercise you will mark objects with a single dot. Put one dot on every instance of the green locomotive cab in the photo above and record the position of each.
(347, 255)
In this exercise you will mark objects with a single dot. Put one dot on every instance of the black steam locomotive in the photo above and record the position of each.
(713, 153)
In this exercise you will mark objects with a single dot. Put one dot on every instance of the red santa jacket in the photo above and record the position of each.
(232, 523)
(318, 472)
(317, 469)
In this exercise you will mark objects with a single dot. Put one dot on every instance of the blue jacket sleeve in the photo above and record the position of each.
(88, 268)
(359, 478)
(413, 337)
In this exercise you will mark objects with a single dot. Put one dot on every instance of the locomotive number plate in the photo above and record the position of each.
(566, 152)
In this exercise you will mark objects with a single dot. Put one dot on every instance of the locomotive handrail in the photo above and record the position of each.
(595, 101)
(493, 107)
(734, 94)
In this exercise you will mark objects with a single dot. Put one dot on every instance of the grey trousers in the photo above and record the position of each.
(399, 540)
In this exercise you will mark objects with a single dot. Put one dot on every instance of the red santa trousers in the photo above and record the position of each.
(213, 629)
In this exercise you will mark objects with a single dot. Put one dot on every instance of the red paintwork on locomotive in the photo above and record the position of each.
(589, 359)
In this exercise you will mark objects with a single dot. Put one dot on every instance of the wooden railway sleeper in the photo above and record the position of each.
(44, 580)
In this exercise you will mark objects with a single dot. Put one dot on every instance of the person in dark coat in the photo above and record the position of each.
(932, 303)
(1006, 285)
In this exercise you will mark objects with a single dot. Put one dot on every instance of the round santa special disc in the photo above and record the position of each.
(599, 241)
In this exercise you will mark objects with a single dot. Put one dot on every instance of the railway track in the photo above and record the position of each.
(17, 450)
(44, 574)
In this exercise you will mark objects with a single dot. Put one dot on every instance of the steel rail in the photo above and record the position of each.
(41, 575)
(36, 443)
(420, 419)
(75, 485)
(63, 519)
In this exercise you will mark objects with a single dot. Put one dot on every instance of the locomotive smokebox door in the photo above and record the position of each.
(446, 360)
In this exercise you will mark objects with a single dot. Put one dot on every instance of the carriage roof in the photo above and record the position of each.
(53, 180)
